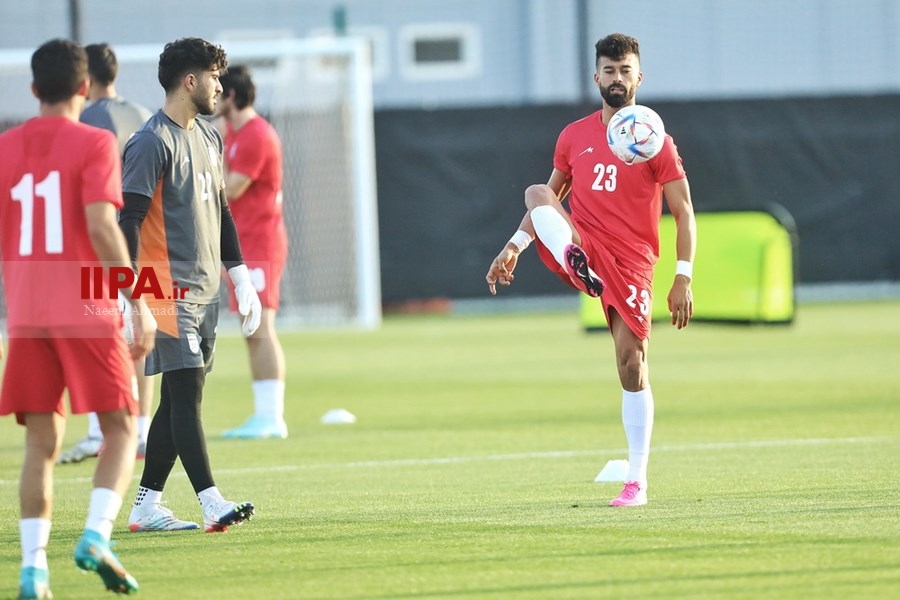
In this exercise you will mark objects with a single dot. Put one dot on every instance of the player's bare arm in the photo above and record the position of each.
(560, 183)
(236, 184)
(502, 267)
(681, 299)
(109, 244)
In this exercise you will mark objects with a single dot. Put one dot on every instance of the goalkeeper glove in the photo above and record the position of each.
(247, 298)
(127, 324)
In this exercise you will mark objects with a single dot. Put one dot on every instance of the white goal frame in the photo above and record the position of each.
(275, 65)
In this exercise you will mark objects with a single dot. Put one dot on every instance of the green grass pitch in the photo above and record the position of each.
(775, 468)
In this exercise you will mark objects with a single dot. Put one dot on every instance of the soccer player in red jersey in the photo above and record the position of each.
(107, 109)
(253, 186)
(61, 186)
(607, 244)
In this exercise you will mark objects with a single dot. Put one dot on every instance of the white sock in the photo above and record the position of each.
(637, 417)
(94, 430)
(103, 510)
(143, 428)
(209, 496)
(147, 497)
(553, 231)
(35, 535)
(268, 398)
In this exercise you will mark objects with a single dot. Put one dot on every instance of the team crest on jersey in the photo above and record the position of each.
(194, 342)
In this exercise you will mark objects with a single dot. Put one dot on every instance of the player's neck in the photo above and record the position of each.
(182, 112)
(95, 92)
(70, 109)
(609, 111)
(242, 117)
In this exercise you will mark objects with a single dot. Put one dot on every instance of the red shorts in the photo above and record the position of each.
(266, 279)
(629, 293)
(97, 372)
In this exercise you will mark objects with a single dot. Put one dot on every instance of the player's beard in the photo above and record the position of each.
(204, 104)
(617, 100)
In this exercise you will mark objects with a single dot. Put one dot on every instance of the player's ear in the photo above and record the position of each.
(34, 91)
(640, 78)
(83, 88)
(190, 81)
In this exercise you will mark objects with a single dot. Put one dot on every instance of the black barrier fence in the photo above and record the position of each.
(451, 183)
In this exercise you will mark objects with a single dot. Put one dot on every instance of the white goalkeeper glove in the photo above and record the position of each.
(247, 298)
(127, 324)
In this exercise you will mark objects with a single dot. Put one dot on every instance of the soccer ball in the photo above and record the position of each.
(635, 134)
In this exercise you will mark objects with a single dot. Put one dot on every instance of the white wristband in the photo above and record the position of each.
(520, 239)
(684, 267)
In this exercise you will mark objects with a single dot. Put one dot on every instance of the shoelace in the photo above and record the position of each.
(167, 515)
(217, 509)
(631, 490)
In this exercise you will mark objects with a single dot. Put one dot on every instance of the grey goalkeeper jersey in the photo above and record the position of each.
(118, 115)
(181, 171)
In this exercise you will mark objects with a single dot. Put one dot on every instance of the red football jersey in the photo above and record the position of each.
(50, 169)
(254, 150)
(616, 205)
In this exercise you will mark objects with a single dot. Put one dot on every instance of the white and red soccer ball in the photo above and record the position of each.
(635, 134)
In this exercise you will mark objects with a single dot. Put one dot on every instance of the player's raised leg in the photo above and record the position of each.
(555, 231)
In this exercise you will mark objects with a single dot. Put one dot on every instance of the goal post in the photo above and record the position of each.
(317, 93)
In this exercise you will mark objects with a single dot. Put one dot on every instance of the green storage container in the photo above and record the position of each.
(743, 271)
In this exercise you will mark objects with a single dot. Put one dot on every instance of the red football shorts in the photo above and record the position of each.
(629, 293)
(266, 279)
(97, 372)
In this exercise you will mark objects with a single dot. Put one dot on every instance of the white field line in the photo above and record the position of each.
(406, 462)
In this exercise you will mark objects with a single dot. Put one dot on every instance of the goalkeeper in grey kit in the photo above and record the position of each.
(177, 222)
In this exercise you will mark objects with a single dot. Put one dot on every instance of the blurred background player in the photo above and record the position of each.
(176, 220)
(55, 345)
(253, 178)
(110, 111)
(106, 108)
(612, 229)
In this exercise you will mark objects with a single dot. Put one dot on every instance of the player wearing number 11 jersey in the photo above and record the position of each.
(607, 244)
(59, 189)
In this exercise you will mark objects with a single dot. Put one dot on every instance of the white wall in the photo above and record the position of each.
(528, 50)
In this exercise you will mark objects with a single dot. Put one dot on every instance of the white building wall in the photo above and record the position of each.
(528, 51)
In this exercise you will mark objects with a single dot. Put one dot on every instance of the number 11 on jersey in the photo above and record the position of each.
(24, 192)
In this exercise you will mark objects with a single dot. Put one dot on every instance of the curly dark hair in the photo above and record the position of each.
(58, 68)
(615, 46)
(188, 55)
(238, 80)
